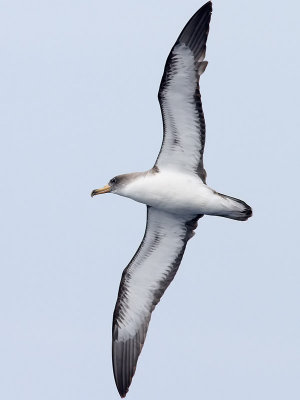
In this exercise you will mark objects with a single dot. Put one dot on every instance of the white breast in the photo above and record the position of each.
(172, 191)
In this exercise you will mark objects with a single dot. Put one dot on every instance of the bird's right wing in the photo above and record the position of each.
(143, 282)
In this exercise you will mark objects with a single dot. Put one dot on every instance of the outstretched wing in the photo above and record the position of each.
(180, 100)
(143, 282)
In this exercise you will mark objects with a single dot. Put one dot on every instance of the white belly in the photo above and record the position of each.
(173, 192)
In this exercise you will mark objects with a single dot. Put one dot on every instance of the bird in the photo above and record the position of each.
(175, 193)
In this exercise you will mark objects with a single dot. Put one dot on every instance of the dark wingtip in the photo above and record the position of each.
(124, 356)
(122, 393)
(195, 33)
(207, 5)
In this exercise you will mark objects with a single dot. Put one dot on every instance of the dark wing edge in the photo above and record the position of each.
(194, 36)
(125, 353)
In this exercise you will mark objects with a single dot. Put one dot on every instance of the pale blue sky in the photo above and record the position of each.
(78, 105)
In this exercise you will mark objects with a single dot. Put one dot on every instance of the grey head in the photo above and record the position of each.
(117, 182)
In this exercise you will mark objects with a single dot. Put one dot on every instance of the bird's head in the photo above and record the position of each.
(112, 185)
(116, 184)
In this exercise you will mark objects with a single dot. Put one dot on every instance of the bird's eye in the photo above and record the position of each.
(113, 180)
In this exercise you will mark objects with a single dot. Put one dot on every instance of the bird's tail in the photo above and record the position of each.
(235, 208)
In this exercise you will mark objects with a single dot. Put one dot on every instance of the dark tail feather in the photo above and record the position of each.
(237, 209)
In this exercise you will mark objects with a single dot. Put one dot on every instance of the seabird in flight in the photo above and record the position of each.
(176, 196)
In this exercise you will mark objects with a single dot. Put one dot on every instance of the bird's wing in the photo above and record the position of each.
(180, 100)
(143, 283)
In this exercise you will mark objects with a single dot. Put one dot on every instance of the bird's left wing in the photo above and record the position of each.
(180, 99)
(143, 282)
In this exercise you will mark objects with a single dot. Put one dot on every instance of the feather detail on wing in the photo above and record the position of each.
(143, 283)
(180, 99)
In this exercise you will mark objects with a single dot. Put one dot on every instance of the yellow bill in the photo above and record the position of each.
(105, 189)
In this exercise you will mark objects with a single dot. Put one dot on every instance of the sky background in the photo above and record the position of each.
(78, 104)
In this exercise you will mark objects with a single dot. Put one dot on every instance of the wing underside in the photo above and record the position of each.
(180, 99)
(143, 283)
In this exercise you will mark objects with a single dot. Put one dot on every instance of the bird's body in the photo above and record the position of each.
(175, 193)
(180, 193)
